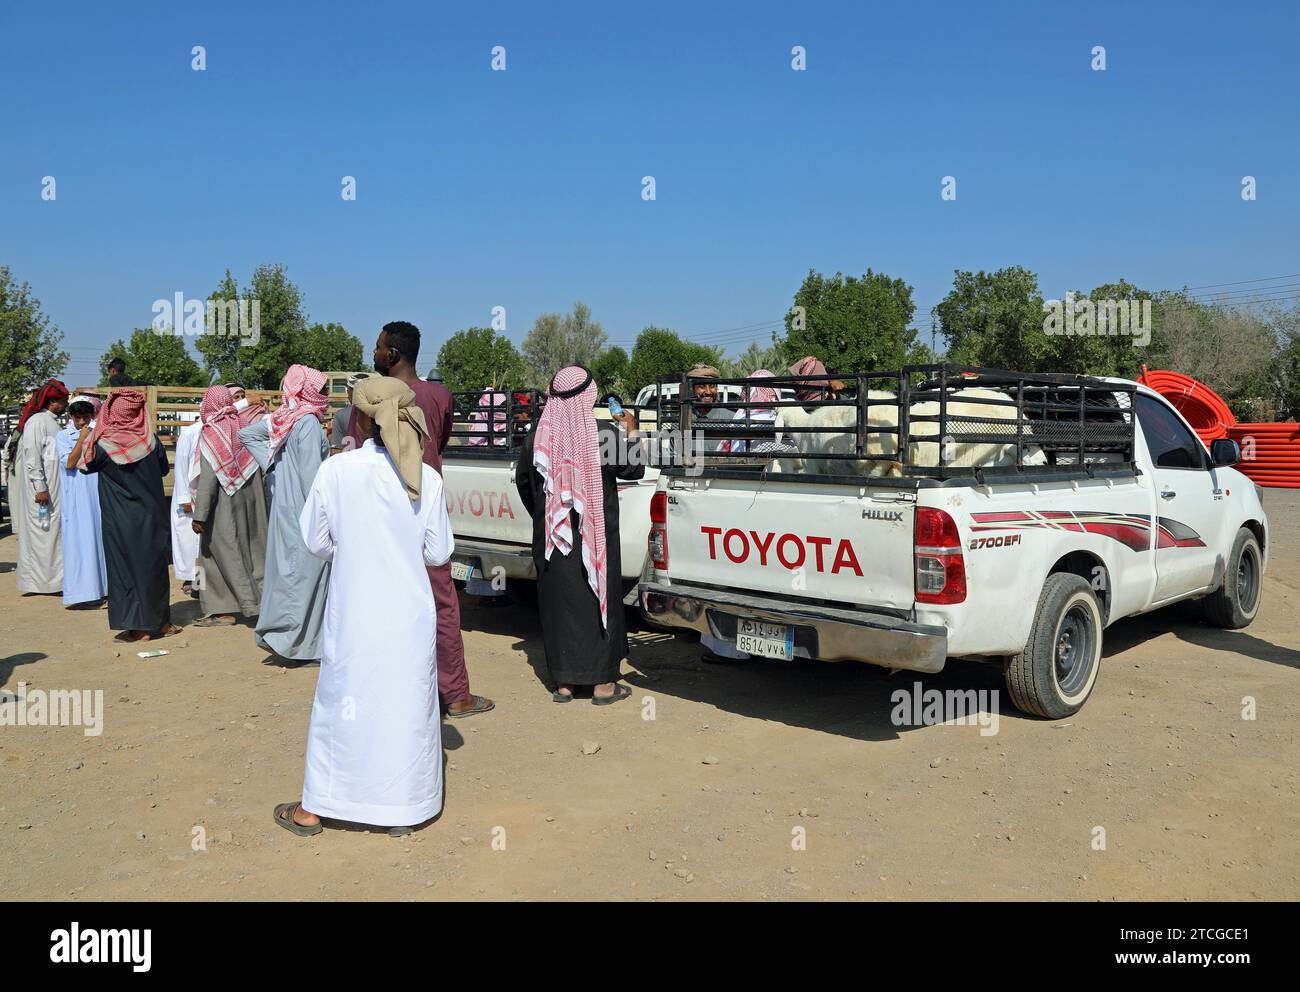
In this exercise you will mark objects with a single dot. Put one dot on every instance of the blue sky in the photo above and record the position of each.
(523, 188)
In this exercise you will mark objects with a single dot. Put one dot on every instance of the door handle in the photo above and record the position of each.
(1167, 494)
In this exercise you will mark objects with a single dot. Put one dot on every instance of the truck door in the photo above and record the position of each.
(1188, 504)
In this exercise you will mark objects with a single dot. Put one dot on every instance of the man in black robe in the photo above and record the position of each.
(583, 626)
(131, 463)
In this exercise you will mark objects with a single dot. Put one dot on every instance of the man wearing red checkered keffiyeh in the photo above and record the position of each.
(219, 441)
(121, 428)
(290, 447)
(569, 469)
(229, 505)
(131, 464)
(303, 397)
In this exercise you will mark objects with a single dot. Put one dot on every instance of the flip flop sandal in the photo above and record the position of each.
(620, 692)
(213, 622)
(481, 705)
(400, 831)
(168, 633)
(562, 697)
(284, 817)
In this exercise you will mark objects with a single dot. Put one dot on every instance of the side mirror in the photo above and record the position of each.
(1224, 452)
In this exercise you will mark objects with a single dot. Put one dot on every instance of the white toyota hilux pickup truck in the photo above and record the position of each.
(494, 533)
(941, 512)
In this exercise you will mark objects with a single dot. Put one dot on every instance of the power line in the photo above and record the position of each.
(1242, 282)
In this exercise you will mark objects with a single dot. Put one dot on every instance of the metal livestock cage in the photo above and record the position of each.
(491, 423)
(921, 421)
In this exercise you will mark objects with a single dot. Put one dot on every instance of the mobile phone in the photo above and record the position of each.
(615, 407)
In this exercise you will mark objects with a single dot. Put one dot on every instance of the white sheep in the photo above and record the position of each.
(925, 454)
(838, 435)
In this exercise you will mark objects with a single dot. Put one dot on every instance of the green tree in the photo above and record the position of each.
(559, 340)
(477, 358)
(158, 358)
(850, 323)
(1099, 335)
(659, 351)
(221, 353)
(327, 347)
(257, 356)
(1284, 319)
(610, 371)
(995, 320)
(1232, 350)
(752, 359)
(29, 343)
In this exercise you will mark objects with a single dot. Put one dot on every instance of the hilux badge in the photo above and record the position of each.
(882, 515)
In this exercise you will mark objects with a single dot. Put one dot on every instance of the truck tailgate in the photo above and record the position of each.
(818, 541)
(483, 503)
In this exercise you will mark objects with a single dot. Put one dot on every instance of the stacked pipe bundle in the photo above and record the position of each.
(1203, 408)
(1270, 453)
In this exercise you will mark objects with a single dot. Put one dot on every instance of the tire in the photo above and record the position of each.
(1236, 603)
(1054, 675)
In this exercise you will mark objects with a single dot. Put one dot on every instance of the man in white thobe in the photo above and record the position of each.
(185, 543)
(34, 489)
(374, 748)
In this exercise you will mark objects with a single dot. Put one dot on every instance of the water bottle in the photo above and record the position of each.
(43, 515)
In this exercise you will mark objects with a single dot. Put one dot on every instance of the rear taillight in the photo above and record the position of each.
(658, 542)
(940, 566)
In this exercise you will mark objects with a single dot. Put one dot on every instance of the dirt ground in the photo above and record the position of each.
(700, 802)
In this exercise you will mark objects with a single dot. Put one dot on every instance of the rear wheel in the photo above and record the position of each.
(1054, 675)
(1236, 603)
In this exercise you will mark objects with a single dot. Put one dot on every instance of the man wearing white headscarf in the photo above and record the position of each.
(185, 543)
(378, 514)
(85, 578)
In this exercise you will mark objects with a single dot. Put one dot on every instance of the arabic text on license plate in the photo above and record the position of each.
(767, 640)
(461, 570)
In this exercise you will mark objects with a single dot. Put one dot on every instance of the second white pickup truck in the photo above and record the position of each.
(891, 552)
(494, 532)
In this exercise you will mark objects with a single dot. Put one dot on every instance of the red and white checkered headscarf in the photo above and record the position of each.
(479, 421)
(219, 441)
(566, 454)
(122, 427)
(302, 398)
(754, 394)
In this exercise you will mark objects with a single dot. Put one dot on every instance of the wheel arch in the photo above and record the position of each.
(1257, 528)
(1085, 564)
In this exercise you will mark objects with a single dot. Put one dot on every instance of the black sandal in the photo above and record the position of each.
(284, 817)
(620, 692)
(561, 697)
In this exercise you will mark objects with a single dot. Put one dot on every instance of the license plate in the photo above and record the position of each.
(767, 640)
(461, 570)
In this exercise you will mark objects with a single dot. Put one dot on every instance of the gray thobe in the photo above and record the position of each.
(36, 470)
(232, 547)
(295, 581)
